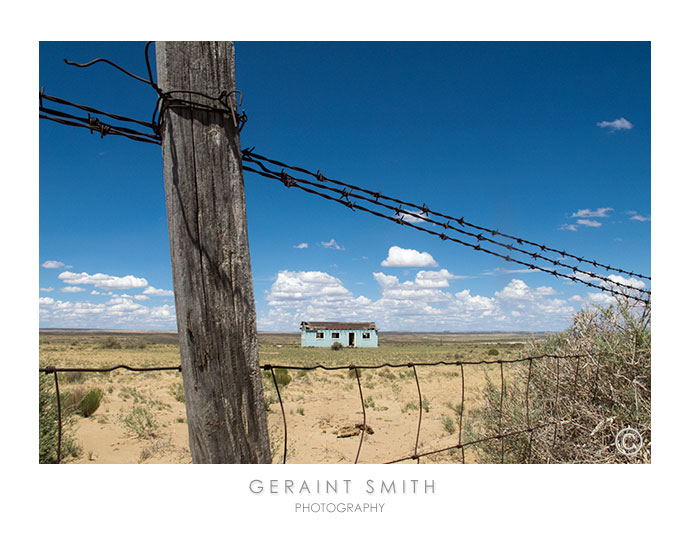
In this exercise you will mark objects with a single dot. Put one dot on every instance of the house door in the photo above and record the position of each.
(352, 337)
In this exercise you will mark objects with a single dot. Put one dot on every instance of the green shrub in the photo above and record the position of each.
(110, 343)
(73, 377)
(336, 346)
(352, 372)
(48, 425)
(410, 406)
(281, 376)
(141, 422)
(448, 424)
(493, 351)
(387, 374)
(136, 345)
(90, 402)
(177, 391)
(269, 399)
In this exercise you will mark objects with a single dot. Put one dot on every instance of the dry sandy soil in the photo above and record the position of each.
(142, 417)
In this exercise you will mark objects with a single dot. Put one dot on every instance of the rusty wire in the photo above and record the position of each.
(59, 418)
(53, 370)
(463, 386)
(284, 417)
(420, 411)
(530, 441)
(365, 427)
(395, 212)
(416, 455)
(152, 131)
(501, 407)
(222, 103)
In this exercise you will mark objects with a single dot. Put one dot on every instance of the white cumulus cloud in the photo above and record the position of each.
(593, 213)
(291, 287)
(635, 216)
(422, 303)
(616, 125)
(424, 288)
(53, 264)
(103, 281)
(119, 312)
(332, 244)
(403, 257)
(301, 245)
(152, 291)
(72, 288)
(589, 223)
(416, 217)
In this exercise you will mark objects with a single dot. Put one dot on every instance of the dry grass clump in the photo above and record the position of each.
(48, 426)
(81, 401)
(594, 396)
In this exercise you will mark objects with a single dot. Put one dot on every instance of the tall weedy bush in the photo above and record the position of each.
(594, 397)
(48, 425)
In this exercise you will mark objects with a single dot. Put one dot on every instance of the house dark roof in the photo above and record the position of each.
(313, 326)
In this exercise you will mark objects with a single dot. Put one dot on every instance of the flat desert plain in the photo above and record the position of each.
(142, 416)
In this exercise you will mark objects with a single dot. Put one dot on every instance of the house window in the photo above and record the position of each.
(319, 335)
(335, 334)
(366, 334)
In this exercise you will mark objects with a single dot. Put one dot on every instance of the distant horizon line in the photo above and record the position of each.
(447, 332)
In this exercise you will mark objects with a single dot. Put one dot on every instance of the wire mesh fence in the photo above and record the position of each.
(507, 435)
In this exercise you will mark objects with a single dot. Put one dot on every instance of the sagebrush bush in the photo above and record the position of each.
(448, 424)
(281, 376)
(73, 377)
(336, 346)
(48, 425)
(136, 345)
(110, 343)
(593, 397)
(141, 422)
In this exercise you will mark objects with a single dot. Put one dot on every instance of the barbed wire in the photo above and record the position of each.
(423, 210)
(225, 102)
(94, 123)
(355, 368)
(373, 199)
(152, 133)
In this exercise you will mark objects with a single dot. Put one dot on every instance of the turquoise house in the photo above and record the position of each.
(325, 334)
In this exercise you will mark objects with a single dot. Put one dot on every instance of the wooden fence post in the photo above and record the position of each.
(213, 286)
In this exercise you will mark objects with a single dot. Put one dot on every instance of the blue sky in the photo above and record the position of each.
(547, 141)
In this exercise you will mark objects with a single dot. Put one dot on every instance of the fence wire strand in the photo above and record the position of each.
(416, 455)
(416, 213)
(396, 212)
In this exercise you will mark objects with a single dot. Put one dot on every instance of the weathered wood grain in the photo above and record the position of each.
(211, 266)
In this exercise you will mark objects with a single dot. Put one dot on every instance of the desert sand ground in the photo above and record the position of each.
(142, 416)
